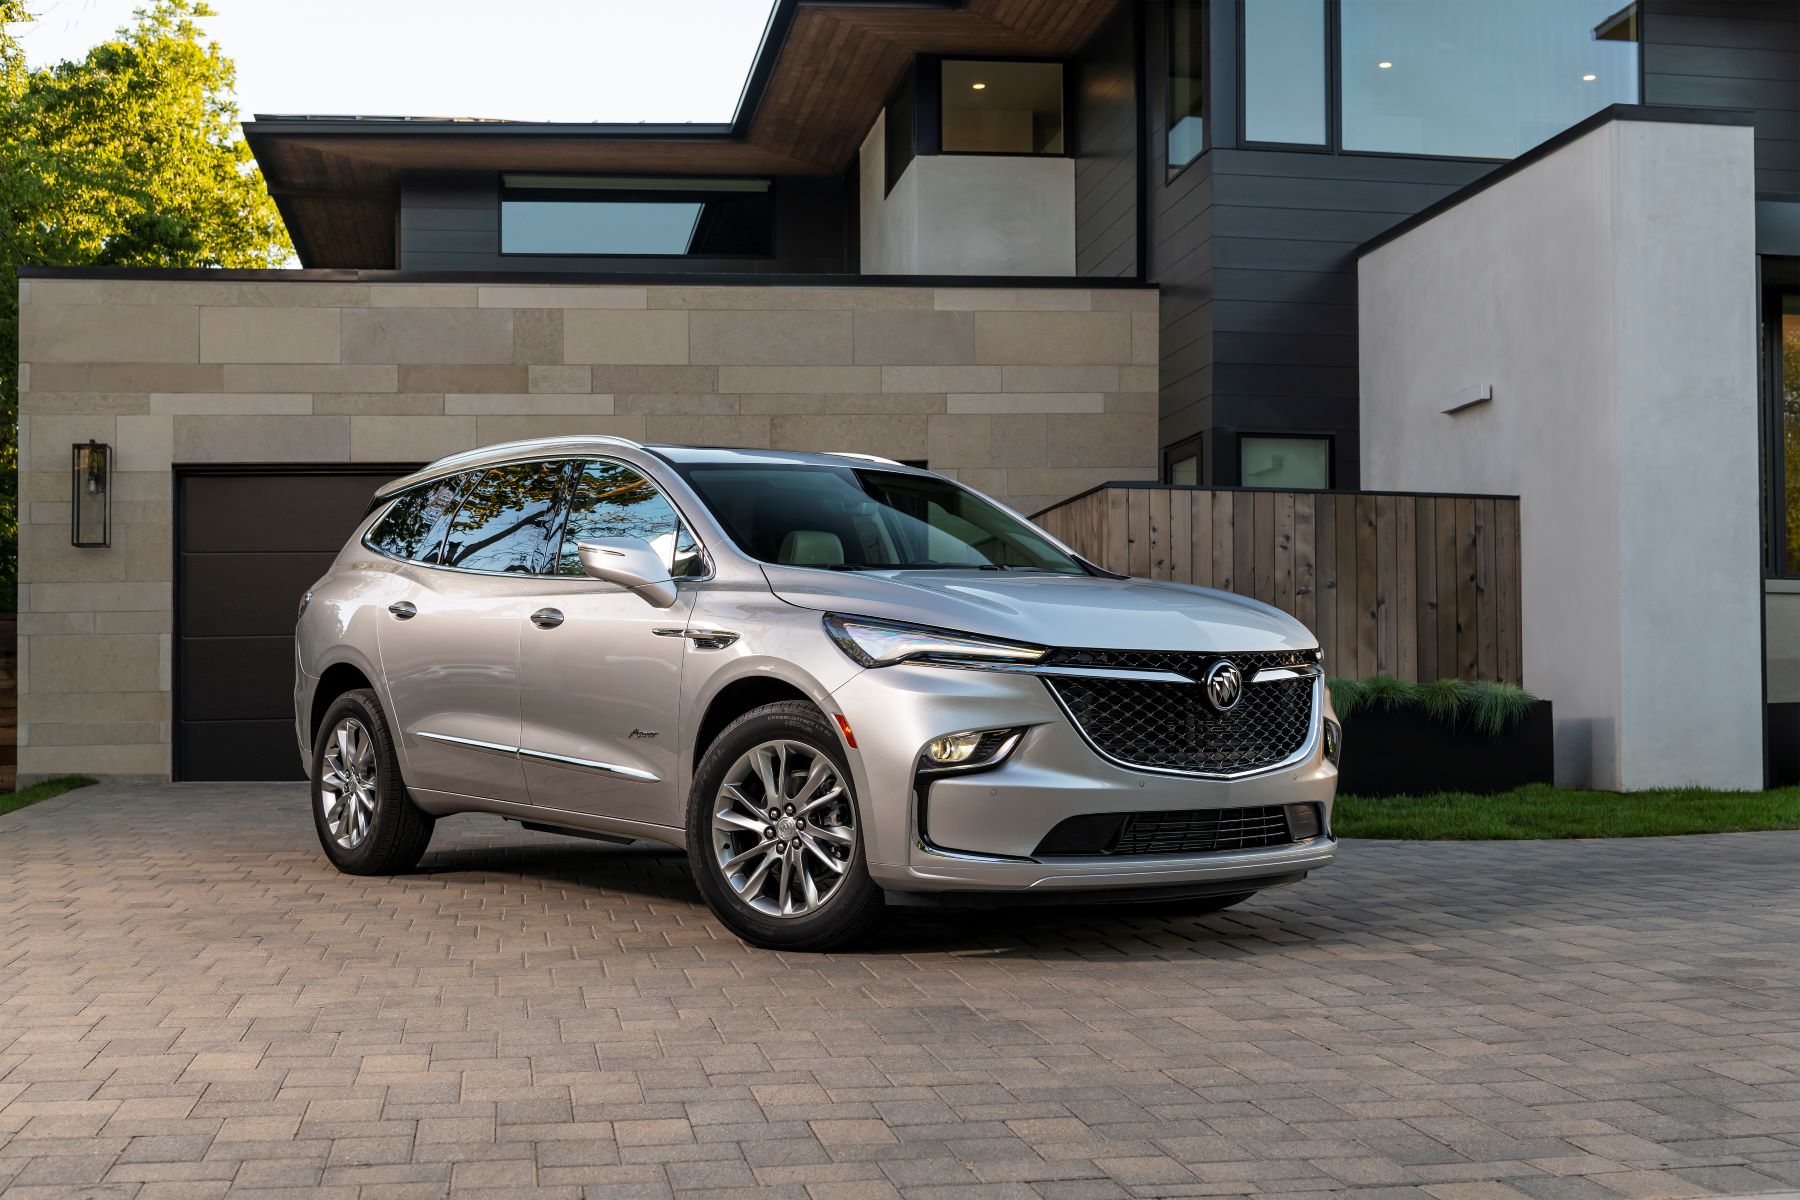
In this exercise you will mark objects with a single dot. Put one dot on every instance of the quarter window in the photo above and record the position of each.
(611, 500)
(505, 524)
(413, 528)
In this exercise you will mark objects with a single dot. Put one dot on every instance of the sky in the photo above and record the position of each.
(534, 60)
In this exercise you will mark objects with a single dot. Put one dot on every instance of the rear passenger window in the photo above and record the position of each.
(506, 521)
(612, 500)
(413, 528)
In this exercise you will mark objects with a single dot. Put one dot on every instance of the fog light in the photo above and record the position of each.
(1334, 740)
(953, 748)
(1303, 822)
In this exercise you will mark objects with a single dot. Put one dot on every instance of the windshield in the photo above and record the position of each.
(851, 519)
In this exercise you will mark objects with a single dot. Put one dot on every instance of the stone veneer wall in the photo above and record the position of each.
(1028, 394)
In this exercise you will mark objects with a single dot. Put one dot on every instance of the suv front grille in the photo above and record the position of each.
(1196, 831)
(1171, 727)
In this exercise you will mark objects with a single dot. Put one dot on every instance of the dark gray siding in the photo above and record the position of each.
(1732, 54)
(1106, 139)
(452, 223)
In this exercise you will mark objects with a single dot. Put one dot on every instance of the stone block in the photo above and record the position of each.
(1014, 299)
(491, 429)
(550, 402)
(538, 335)
(1138, 299)
(45, 761)
(810, 299)
(143, 444)
(959, 441)
(1025, 402)
(412, 404)
(105, 596)
(410, 439)
(272, 439)
(922, 337)
(46, 441)
(1063, 377)
(428, 335)
(128, 377)
(1053, 337)
(559, 296)
(851, 402)
(1145, 330)
(231, 402)
(95, 662)
(945, 379)
(93, 333)
(549, 378)
(308, 377)
(655, 404)
(423, 295)
(83, 403)
(707, 430)
(1104, 440)
(269, 335)
(745, 379)
(465, 377)
(624, 336)
(898, 437)
(769, 337)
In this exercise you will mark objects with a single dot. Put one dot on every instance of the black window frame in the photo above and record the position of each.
(774, 218)
(1203, 9)
(1334, 100)
(930, 82)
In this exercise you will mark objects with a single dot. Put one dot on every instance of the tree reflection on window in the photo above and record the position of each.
(504, 525)
(613, 501)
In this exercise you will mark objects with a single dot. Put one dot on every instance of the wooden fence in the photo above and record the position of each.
(1418, 586)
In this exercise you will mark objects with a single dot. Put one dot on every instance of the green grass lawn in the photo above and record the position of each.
(1541, 811)
(41, 791)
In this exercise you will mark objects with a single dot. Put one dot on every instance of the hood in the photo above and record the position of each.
(1050, 610)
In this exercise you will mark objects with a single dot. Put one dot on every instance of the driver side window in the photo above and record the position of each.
(611, 500)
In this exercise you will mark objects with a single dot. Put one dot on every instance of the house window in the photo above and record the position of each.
(1187, 78)
(1476, 78)
(1284, 72)
(1001, 107)
(562, 214)
(1181, 463)
(1294, 463)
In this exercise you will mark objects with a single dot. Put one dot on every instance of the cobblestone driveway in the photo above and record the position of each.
(192, 1002)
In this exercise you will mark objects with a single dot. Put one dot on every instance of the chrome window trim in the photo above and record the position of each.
(1305, 752)
(561, 760)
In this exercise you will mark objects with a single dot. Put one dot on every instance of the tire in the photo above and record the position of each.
(828, 901)
(376, 829)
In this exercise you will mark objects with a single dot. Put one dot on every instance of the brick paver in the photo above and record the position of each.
(193, 1003)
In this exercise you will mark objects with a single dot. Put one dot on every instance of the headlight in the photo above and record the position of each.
(882, 643)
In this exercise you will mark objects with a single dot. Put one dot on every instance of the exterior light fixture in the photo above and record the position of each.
(978, 86)
(90, 495)
(1384, 65)
(1589, 78)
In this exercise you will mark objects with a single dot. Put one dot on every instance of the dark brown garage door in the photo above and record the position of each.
(247, 544)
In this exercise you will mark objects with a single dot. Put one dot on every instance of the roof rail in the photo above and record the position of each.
(876, 458)
(451, 460)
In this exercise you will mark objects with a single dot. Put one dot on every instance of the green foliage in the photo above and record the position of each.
(129, 156)
(1489, 708)
(11, 801)
(1542, 811)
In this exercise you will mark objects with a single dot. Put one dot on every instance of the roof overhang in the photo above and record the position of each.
(817, 81)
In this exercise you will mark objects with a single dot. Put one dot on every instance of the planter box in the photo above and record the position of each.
(1403, 752)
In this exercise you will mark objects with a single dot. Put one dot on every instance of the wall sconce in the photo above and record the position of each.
(90, 497)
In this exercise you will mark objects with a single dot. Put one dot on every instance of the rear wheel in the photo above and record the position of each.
(366, 822)
(774, 837)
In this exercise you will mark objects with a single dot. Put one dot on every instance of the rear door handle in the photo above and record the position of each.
(404, 610)
(547, 618)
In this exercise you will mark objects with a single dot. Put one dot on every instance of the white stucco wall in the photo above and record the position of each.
(967, 214)
(1607, 294)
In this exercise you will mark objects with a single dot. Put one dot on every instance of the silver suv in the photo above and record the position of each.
(841, 683)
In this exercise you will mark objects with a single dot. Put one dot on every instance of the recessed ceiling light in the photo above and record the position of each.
(978, 86)
(1589, 78)
(1384, 65)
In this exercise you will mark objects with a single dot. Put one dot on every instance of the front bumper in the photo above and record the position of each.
(977, 832)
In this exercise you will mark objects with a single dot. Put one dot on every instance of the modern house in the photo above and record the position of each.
(1545, 248)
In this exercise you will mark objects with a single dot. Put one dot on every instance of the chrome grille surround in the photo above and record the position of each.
(1169, 728)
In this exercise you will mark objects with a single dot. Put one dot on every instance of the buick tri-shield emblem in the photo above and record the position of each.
(1224, 686)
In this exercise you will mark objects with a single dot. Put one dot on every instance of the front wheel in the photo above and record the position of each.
(774, 837)
(366, 822)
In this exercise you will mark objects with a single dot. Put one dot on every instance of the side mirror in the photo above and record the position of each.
(632, 564)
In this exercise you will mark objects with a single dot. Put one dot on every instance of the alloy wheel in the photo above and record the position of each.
(783, 829)
(347, 784)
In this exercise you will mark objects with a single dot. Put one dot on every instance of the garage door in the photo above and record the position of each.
(247, 544)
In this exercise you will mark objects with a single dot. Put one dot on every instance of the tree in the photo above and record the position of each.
(130, 156)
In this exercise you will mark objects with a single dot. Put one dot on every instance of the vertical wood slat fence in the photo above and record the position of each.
(1413, 585)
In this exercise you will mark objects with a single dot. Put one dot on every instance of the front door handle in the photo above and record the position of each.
(404, 610)
(547, 618)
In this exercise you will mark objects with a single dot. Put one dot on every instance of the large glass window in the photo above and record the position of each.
(504, 523)
(413, 528)
(1284, 71)
(1187, 79)
(1298, 463)
(852, 519)
(562, 214)
(611, 500)
(1002, 107)
(1479, 78)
